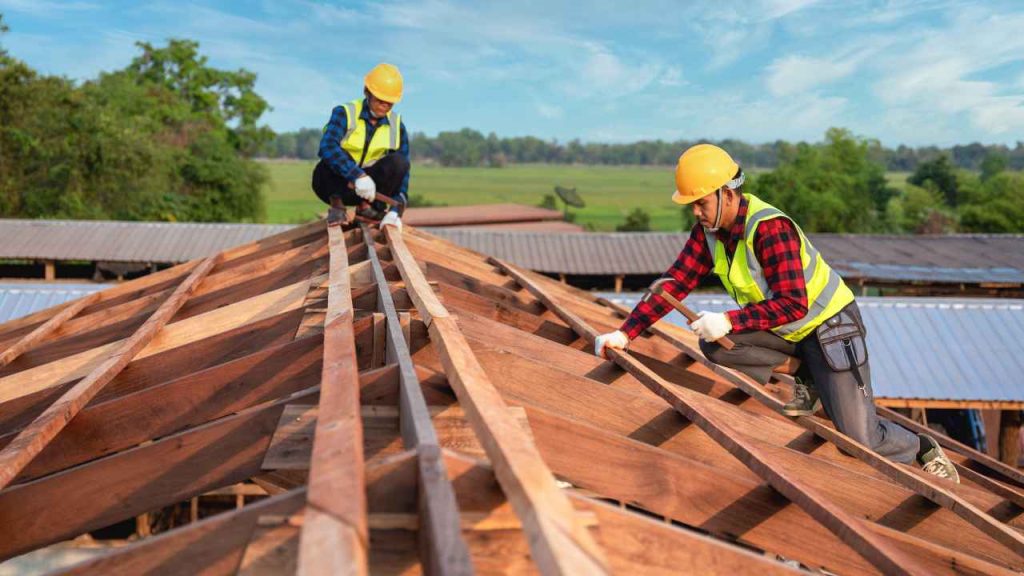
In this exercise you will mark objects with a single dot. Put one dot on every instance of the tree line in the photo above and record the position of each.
(166, 138)
(470, 148)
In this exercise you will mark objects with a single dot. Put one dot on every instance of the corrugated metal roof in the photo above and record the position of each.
(927, 348)
(22, 299)
(954, 258)
(124, 241)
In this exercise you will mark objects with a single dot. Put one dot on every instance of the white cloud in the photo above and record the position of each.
(792, 74)
(773, 9)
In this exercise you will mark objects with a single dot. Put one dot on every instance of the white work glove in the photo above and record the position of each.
(617, 340)
(366, 188)
(711, 325)
(391, 219)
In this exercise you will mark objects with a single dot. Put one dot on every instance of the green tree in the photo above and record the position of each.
(940, 173)
(636, 221)
(992, 165)
(225, 96)
(830, 188)
(995, 205)
(126, 145)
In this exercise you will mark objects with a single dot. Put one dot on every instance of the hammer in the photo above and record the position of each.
(788, 367)
(658, 289)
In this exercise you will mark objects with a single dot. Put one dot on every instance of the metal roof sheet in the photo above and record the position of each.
(22, 299)
(952, 259)
(927, 348)
(124, 241)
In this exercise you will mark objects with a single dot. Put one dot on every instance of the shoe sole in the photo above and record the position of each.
(942, 454)
(815, 408)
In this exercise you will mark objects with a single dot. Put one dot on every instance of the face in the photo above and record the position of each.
(705, 210)
(378, 107)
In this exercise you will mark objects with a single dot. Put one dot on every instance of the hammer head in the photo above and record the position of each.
(656, 286)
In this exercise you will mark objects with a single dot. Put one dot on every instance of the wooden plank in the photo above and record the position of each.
(754, 454)
(420, 291)
(46, 328)
(560, 545)
(16, 455)
(335, 537)
(193, 399)
(213, 545)
(292, 443)
(124, 485)
(175, 334)
(444, 550)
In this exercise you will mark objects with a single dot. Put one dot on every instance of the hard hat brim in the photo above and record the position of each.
(679, 198)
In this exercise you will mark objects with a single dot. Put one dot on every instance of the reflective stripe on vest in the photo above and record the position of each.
(385, 139)
(744, 278)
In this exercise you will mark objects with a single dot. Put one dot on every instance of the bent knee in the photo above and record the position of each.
(714, 352)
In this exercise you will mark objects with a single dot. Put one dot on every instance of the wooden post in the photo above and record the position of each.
(50, 268)
(618, 283)
(1009, 437)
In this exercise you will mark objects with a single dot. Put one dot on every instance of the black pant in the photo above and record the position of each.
(387, 174)
(850, 409)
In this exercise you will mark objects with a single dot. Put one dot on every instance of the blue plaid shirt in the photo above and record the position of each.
(342, 163)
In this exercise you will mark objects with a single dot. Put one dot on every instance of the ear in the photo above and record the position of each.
(730, 195)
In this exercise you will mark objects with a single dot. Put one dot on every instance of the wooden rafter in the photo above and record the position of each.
(16, 455)
(558, 540)
(754, 454)
(46, 328)
(445, 549)
(335, 536)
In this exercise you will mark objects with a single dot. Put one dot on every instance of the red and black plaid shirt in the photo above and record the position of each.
(777, 248)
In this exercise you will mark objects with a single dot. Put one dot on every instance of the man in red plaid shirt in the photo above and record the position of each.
(792, 305)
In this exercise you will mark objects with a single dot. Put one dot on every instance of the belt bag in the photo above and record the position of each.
(842, 342)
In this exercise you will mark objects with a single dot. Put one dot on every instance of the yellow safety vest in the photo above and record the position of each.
(385, 139)
(743, 276)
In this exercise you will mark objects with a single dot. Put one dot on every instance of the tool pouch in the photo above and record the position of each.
(842, 342)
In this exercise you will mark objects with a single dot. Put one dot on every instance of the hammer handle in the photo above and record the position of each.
(690, 315)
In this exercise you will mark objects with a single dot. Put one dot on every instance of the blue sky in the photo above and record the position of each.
(913, 72)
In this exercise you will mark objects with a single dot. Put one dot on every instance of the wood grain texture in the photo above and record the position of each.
(20, 451)
(47, 328)
(444, 549)
(560, 544)
(335, 537)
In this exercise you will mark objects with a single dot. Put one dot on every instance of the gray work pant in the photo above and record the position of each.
(852, 410)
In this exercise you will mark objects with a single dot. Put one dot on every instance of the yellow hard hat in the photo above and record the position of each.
(702, 170)
(385, 82)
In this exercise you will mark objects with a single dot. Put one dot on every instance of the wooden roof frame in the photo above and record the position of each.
(410, 404)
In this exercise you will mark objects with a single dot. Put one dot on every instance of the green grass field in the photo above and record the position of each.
(609, 192)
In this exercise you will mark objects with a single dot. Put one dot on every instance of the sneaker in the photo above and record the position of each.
(805, 399)
(934, 460)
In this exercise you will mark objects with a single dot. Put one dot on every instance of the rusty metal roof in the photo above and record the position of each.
(965, 258)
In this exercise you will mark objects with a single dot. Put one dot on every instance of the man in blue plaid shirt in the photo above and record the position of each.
(364, 153)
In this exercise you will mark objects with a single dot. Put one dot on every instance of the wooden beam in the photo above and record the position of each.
(190, 400)
(123, 485)
(560, 544)
(46, 328)
(210, 546)
(444, 550)
(173, 336)
(335, 537)
(16, 455)
(754, 454)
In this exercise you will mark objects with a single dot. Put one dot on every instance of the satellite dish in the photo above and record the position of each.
(569, 196)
